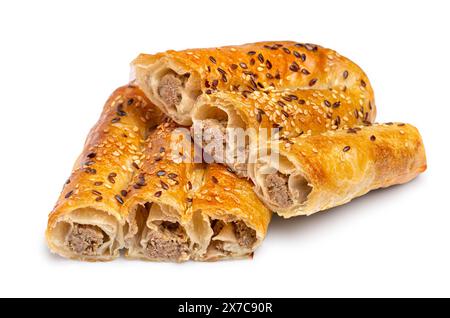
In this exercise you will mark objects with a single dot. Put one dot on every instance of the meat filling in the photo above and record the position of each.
(169, 242)
(246, 236)
(277, 188)
(170, 88)
(85, 239)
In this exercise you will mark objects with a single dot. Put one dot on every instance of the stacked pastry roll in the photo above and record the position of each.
(190, 161)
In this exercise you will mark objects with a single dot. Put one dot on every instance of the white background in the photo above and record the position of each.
(59, 61)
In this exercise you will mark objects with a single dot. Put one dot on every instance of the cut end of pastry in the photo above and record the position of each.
(211, 125)
(86, 234)
(171, 88)
(230, 239)
(280, 185)
(154, 233)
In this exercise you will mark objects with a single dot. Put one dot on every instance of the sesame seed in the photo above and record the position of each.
(337, 104)
(90, 170)
(118, 198)
(233, 66)
(363, 84)
(161, 173)
(305, 71)
(345, 74)
(243, 65)
(158, 194)
(135, 165)
(208, 91)
(91, 155)
(313, 82)
(389, 123)
(301, 101)
(68, 194)
(252, 61)
(251, 53)
(327, 103)
(221, 71)
(164, 185)
(189, 185)
(294, 67)
(130, 101)
(268, 65)
(346, 148)
(98, 183)
(373, 138)
(115, 120)
(260, 58)
(286, 50)
(96, 192)
(214, 180)
(212, 59)
(98, 198)
(401, 124)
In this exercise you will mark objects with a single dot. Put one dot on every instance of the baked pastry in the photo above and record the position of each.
(180, 209)
(87, 220)
(322, 171)
(218, 119)
(174, 80)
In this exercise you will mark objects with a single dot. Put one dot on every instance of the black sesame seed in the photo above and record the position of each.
(98, 198)
(91, 155)
(215, 83)
(221, 71)
(269, 76)
(345, 74)
(172, 175)
(373, 138)
(118, 198)
(258, 116)
(189, 185)
(98, 183)
(207, 85)
(68, 194)
(351, 131)
(346, 148)
(243, 65)
(212, 59)
(115, 120)
(401, 124)
(337, 104)
(281, 103)
(161, 173)
(162, 149)
(303, 57)
(301, 102)
(96, 192)
(313, 82)
(389, 123)
(327, 103)
(363, 84)
(294, 67)
(286, 50)
(252, 61)
(90, 170)
(268, 64)
(284, 113)
(251, 53)
(141, 180)
(260, 85)
(214, 179)
(356, 114)
(164, 185)
(305, 71)
(261, 58)
(89, 163)
(233, 66)
(135, 165)
(293, 97)
(296, 54)
(67, 181)
(158, 194)
(287, 98)
(224, 78)
(208, 91)
(188, 199)
(124, 193)
(130, 101)
(277, 76)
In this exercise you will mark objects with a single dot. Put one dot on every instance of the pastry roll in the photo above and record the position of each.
(180, 209)
(291, 112)
(173, 80)
(86, 222)
(322, 171)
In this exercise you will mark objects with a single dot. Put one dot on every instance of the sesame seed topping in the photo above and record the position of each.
(96, 192)
(268, 65)
(305, 71)
(327, 103)
(130, 101)
(68, 194)
(313, 82)
(158, 194)
(243, 65)
(251, 53)
(260, 58)
(164, 185)
(286, 50)
(252, 61)
(346, 148)
(373, 138)
(294, 67)
(135, 165)
(345, 74)
(363, 84)
(337, 104)
(212, 59)
(91, 155)
(90, 170)
(233, 66)
(161, 173)
(98, 183)
(214, 180)
(98, 198)
(115, 120)
(118, 198)
(124, 193)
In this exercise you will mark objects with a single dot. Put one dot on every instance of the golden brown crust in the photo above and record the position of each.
(344, 164)
(262, 66)
(192, 195)
(111, 155)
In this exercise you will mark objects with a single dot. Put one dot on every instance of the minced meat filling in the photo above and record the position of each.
(85, 239)
(246, 236)
(277, 188)
(170, 242)
(170, 88)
